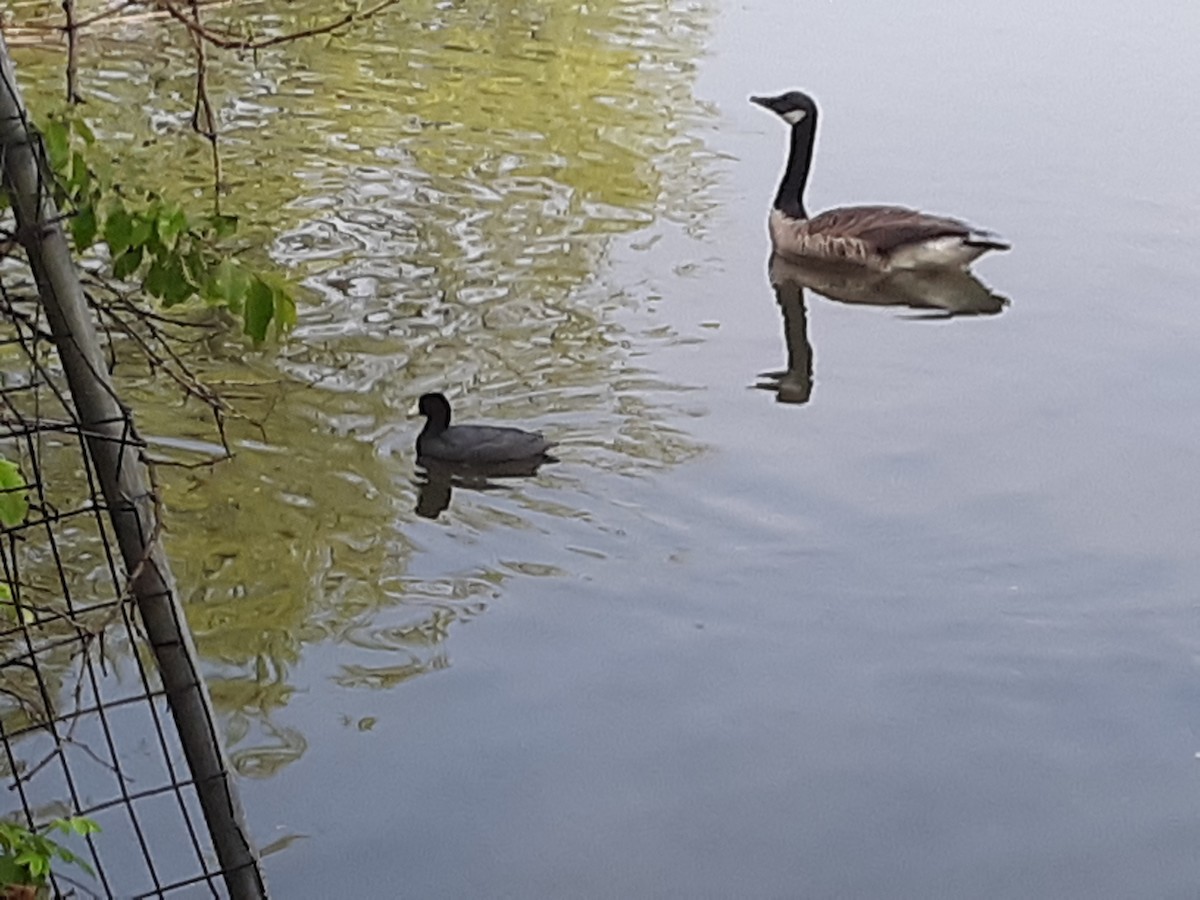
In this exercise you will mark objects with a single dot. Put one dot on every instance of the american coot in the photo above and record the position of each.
(475, 445)
(879, 237)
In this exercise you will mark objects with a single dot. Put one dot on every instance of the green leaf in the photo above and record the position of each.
(172, 221)
(10, 872)
(223, 226)
(178, 287)
(8, 611)
(118, 228)
(282, 298)
(84, 131)
(195, 264)
(285, 309)
(34, 862)
(81, 175)
(14, 502)
(83, 227)
(141, 227)
(127, 263)
(227, 283)
(156, 278)
(260, 307)
(81, 825)
(57, 139)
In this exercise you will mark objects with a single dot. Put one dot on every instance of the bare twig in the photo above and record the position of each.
(72, 53)
(229, 41)
(204, 121)
(161, 356)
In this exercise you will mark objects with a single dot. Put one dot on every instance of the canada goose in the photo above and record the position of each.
(880, 237)
(474, 445)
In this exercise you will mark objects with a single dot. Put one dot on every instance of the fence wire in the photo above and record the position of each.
(85, 724)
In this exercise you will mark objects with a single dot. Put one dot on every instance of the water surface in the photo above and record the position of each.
(930, 632)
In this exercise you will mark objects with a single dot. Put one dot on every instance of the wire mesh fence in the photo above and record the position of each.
(103, 713)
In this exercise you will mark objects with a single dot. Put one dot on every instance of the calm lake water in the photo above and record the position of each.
(931, 633)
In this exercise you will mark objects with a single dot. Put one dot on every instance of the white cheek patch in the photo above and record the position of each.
(794, 116)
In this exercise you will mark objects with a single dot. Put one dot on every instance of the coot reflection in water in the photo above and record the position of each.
(945, 293)
(436, 484)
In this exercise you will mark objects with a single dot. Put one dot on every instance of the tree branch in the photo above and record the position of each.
(228, 41)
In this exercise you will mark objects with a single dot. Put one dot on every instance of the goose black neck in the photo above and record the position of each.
(790, 199)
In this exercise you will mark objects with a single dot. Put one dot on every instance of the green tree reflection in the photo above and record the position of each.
(447, 181)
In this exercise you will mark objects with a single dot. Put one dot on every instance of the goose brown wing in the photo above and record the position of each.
(885, 228)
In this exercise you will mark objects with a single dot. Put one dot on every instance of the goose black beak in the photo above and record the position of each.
(764, 102)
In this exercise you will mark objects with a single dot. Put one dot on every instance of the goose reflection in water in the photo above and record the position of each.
(944, 293)
(435, 485)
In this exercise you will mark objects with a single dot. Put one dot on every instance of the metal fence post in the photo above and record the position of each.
(124, 479)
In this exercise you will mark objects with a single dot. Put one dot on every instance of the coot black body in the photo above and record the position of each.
(474, 445)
